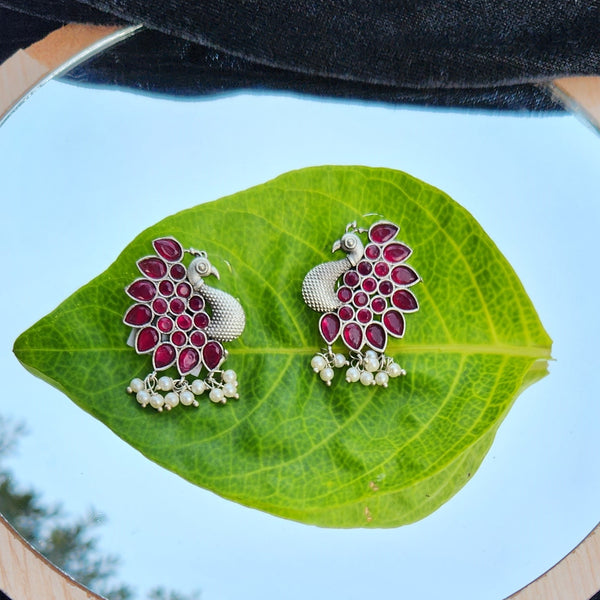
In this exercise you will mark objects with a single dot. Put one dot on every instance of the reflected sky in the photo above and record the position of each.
(84, 171)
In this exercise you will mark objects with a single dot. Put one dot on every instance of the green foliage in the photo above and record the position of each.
(345, 456)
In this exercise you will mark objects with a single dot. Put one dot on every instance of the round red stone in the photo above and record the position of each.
(178, 338)
(198, 338)
(369, 285)
(405, 301)
(146, 340)
(329, 325)
(394, 322)
(381, 269)
(166, 288)
(212, 355)
(372, 252)
(353, 336)
(160, 306)
(360, 299)
(184, 322)
(153, 267)
(378, 304)
(386, 288)
(196, 303)
(376, 336)
(201, 320)
(164, 356)
(396, 252)
(138, 315)
(178, 271)
(189, 359)
(344, 294)
(142, 289)
(177, 306)
(364, 315)
(383, 232)
(165, 324)
(364, 267)
(168, 248)
(346, 313)
(404, 275)
(184, 290)
(351, 278)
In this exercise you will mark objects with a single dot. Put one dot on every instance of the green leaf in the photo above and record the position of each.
(345, 456)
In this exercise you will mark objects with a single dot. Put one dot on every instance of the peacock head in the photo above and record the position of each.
(199, 268)
(351, 244)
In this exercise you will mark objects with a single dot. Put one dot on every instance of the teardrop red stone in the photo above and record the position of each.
(329, 325)
(353, 336)
(188, 360)
(383, 232)
(152, 267)
(164, 356)
(212, 355)
(394, 322)
(142, 289)
(146, 339)
(168, 248)
(405, 301)
(138, 315)
(376, 336)
(396, 252)
(404, 275)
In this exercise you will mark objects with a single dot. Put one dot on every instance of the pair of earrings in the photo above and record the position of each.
(182, 322)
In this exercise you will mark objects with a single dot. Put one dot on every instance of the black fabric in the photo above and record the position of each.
(463, 53)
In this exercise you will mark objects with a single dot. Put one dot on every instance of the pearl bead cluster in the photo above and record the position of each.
(180, 391)
(370, 368)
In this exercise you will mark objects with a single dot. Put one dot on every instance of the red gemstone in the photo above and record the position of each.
(165, 324)
(198, 338)
(142, 289)
(369, 285)
(360, 299)
(212, 355)
(177, 306)
(184, 322)
(329, 325)
(346, 313)
(396, 252)
(386, 287)
(344, 294)
(378, 304)
(383, 232)
(184, 290)
(351, 278)
(372, 252)
(376, 336)
(364, 267)
(394, 322)
(178, 338)
(166, 288)
(160, 306)
(364, 315)
(196, 303)
(405, 301)
(381, 269)
(178, 271)
(168, 248)
(404, 275)
(188, 360)
(353, 336)
(201, 320)
(146, 340)
(138, 315)
(164, 356)
(153, 267)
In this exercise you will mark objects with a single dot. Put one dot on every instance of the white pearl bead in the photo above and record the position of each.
(366, 378)
(339, 360)
(352, 375)
(370, 354)
(371, 364)
(326, 374)
(172, 399)
(229, 376)
(318, 363)
(230, 391)
(165, 383)
(382, 379)
(186, 397)
(394, 370)
(136, 385)
(143, 397)
(156, 401)
(216, 395)
(198, 386)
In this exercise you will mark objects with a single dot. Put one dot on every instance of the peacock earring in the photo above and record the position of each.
(181, 322)
(364, 297)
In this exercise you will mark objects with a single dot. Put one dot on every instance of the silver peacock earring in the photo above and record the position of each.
(363, 297)
(181, 322)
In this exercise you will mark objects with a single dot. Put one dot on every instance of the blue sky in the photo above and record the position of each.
(84, 171)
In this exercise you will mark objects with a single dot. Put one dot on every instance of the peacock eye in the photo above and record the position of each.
(201, 267)
(350, 242)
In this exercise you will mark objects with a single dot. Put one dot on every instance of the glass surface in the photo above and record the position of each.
(83, 171)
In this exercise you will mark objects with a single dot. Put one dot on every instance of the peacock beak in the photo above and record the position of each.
(213, 271)
(337, 245)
